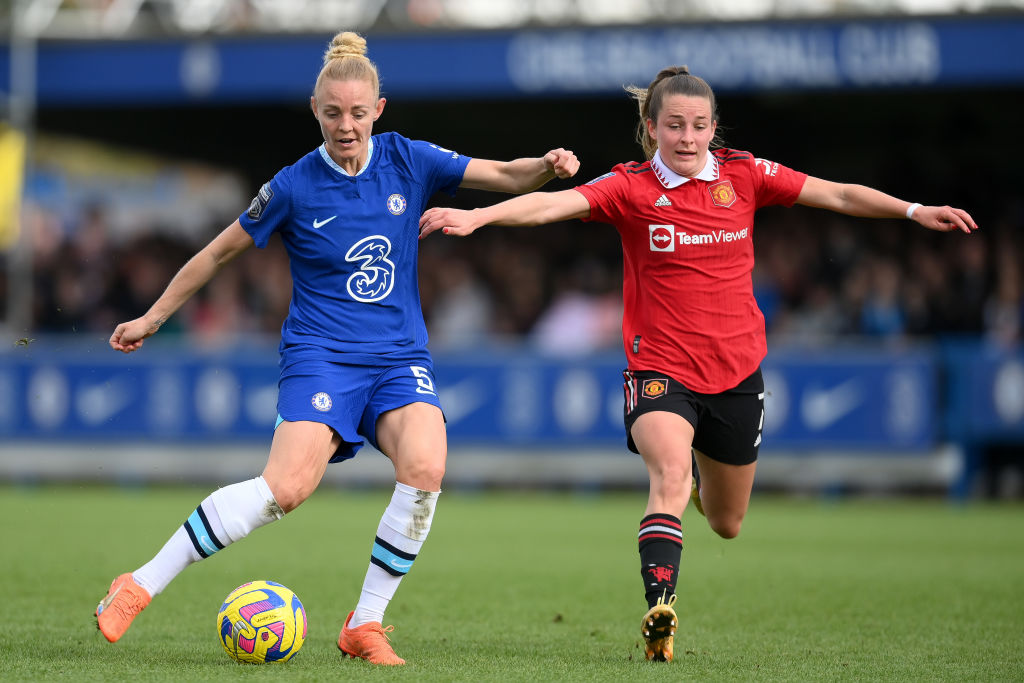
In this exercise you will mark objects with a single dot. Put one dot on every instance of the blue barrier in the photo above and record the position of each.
(963, 50)
(984, 393)
(839, 399)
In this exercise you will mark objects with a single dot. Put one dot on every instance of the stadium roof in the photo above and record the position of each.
(97, 19)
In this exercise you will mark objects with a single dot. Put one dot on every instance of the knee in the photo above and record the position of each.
(672, 480)
(423, 473)
(726, 526)
(290, 492)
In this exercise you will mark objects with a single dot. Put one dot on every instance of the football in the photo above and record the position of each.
(260, 622)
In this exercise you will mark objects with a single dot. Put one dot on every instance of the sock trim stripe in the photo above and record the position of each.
(200, 535)
(195, 543)
(667, 520)
(661, 529)
(394, 563)
(387, 567)
(206, 525)
(647, 538)
(393, 550)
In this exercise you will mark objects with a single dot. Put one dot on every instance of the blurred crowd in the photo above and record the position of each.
(818, 277)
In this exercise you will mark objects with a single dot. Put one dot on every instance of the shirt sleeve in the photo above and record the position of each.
(775, 183)
(440, 169)
(606, 194)
(269, 209)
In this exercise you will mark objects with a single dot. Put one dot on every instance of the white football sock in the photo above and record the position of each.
(225, 516)
(400, 535)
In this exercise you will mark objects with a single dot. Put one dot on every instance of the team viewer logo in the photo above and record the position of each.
(722, 193)
(654, 388)
(397, 204)
(662, 237)
(322, 402)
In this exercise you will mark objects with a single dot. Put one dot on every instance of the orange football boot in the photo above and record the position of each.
(123, 602)
(369, 642)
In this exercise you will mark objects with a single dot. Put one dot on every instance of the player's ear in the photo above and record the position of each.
(380, 108)
(312, 104)
(652, 129)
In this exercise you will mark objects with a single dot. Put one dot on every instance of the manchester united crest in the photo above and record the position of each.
(722, 193)
(653, 388)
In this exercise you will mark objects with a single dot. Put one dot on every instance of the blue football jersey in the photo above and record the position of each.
(353, 243)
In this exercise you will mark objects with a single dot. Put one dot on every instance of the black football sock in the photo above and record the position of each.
(661, 544)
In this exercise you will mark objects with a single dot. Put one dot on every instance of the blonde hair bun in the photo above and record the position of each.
(345, 44)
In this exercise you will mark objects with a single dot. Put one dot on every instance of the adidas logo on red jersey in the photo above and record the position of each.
(663, 201)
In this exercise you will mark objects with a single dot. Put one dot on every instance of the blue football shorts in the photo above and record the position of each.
(350, 398)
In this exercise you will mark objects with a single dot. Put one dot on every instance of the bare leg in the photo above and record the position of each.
(725, 493)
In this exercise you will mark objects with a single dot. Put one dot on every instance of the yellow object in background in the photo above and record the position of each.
(12, 170)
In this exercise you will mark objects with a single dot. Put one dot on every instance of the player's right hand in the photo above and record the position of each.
(129, 336)
(563, 163)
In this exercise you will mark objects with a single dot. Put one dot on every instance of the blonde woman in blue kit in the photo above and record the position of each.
(354, 359)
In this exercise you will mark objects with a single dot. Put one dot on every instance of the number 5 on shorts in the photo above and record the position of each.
(426, 384)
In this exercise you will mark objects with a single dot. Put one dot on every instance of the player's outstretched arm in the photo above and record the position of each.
(858, 200)
(536, 208)
(519, 175)
(231, 242)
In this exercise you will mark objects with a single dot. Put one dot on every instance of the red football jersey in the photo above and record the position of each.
(687, 246)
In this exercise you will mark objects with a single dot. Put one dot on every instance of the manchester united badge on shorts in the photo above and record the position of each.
(654, 388)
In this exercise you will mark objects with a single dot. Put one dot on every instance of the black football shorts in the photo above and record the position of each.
(726, 426)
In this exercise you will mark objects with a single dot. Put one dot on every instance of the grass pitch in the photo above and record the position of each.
(533, 587)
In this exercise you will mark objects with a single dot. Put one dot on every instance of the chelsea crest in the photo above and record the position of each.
(397, 204)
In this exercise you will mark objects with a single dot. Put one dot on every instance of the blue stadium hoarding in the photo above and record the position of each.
(821, 55)
(985, 388)
(842, 400)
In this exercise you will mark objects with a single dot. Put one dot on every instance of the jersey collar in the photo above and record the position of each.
(670, 179)
(330, 162)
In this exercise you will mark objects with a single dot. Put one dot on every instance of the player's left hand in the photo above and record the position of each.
(450, 221)
(562, 162)
(944, 219)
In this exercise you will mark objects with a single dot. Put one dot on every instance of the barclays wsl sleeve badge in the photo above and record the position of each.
(260, 201)
(397, 204)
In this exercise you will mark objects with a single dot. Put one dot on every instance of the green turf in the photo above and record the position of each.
(533, 587)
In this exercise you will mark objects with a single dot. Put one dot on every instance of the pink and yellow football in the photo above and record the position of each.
(260, 622)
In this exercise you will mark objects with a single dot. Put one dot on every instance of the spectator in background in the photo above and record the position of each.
(882, 312)
(584, 315)
(354, 360)
(692, 333)
(815, 297)
(462, 311)
(1004, 307)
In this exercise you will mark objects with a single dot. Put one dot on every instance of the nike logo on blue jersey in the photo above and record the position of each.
(319, 224)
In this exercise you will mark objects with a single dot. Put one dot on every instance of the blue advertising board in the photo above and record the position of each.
(842, 399)
(985, 386)
(156, 396)
(956, 51)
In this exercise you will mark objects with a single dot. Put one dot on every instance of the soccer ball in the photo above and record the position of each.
(261, 621)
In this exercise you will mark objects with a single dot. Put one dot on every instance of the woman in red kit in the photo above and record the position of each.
(693, 334)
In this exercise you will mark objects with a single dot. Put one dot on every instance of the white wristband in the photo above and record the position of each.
(911, 209)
